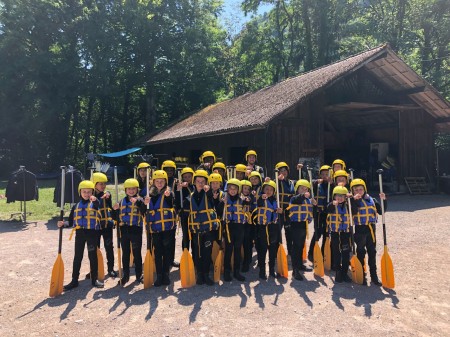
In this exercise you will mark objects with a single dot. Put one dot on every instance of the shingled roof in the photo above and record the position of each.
(256, 110)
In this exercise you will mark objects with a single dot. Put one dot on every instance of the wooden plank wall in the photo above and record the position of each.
(416, 144)
(298, 133)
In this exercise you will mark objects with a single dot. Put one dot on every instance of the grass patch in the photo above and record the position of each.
(43, 209)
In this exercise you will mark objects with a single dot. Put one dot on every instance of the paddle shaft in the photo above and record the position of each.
(310, 181)
(148, 206)
(61, 214)
(351, 225)
(278, 188)
(380, 181)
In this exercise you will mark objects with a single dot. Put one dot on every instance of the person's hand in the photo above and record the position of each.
(116, 206)
(92, 198)
(253, 192)
(382, 196)
(280, 177)
(335, 203)
(307, 195)
(133, 200)
(314, 201)
(60, 223)
(299, 166)
(167, 192)
(106, 195)
(279, 210)
(357, 196)
(247, 172)
(266, 179)
(319, 181)
(264, 196)
(206, 188)
(349, 195)
(146, 200)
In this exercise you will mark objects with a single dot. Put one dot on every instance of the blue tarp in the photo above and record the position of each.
(120, 153)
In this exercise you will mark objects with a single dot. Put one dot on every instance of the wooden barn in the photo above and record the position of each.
(369, 109)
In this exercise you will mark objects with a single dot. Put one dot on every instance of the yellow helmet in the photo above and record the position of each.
(143, 165)
(86, 184)
(249, 153)
(341, 162)
(241, 168)
(245, 182)
(168, 164)
(129, 183)
(324, 167)
(214, 177)
(187, 170)
(270, 183)
(236, 182)
(302, 182)
(358, 182)
(207, 154)
(219, 165)
(255, 174)
(340, 190)
(160, 174)
(200, 173)
(280, 165)
(340, 173)
(99, 177)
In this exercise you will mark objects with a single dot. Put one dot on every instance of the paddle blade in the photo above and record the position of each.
(218, 266)
(327, 255)
(56, 282)
(187, 271)
(304, 257)
(100, 265)
(357, 270)
(148, 270)
(131, 255)
(215, 251)
(282, 268)
(387, 270)
(318, 261)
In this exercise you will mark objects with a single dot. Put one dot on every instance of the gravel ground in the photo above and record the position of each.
(419, 305)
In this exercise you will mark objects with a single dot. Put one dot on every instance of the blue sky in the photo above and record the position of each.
(233, 17)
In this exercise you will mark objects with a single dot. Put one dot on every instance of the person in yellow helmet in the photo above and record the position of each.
(267, 230)
(301, 214)
(141, 177)
(130, 211)
(160, 216)
(286, 190)
(170, 168)
(249, 227)
(365, 220)
(105, 207)
(321, 190)
(84, 218)
(202, 222)
(207, 160)
(235, 219)
(338, 221)
(186, 187)
(251, 159)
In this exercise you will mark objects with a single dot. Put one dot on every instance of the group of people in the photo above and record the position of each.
(238, 209)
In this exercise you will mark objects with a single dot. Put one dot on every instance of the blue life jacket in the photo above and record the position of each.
(339, 220)
(234, 210)
(301, 212)
(129, 213)
(160, 216)
(322, 202)
(367, 212)
(268, 213)
(104, 214)
(286, 187)
(202, 217)
(86, 215)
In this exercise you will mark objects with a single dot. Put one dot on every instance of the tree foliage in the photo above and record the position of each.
(82, 76)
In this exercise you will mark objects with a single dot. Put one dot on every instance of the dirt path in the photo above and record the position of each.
(419, 306)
